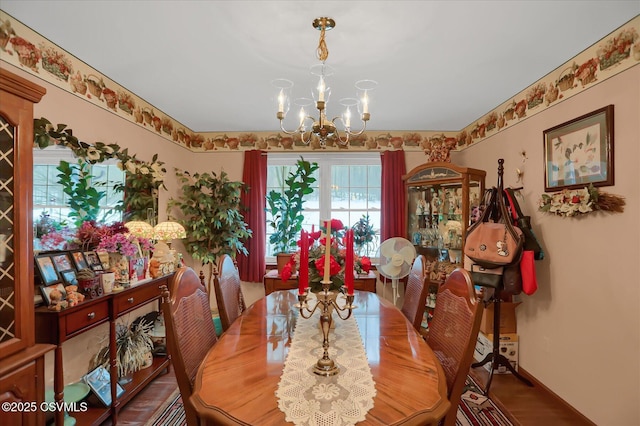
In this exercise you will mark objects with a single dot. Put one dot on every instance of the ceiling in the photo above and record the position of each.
(440, 65)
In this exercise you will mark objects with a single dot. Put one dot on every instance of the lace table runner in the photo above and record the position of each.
(340, 400)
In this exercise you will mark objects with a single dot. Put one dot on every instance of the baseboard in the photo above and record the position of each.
(553, 395)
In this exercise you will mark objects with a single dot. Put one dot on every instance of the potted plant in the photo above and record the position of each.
(286, 209)
(363, 235)
(133, 345)
(82, 196)
(211, 215)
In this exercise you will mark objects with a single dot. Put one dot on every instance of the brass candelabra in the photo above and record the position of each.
(327, 304)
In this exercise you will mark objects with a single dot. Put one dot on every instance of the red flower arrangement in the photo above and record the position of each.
(337, 260)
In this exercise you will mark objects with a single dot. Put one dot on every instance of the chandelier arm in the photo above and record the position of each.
(288, 132)
(349, 132)
(342, 141)
(303, 140)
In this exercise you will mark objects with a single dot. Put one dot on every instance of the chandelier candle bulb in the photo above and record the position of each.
(327, 253)
(347, 118)
(365, 104)
(321, 89)
(281, 101)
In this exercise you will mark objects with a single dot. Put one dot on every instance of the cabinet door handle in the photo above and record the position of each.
(91, 315)
(130, 300)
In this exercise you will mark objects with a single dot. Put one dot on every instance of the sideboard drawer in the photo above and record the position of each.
(87, 316)
(131, 298)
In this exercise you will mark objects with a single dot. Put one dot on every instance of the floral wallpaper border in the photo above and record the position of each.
(26, 49)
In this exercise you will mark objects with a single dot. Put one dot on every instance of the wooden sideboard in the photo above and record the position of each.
(273, 282)
(57, 327)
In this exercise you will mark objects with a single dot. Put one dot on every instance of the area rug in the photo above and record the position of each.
(475, 409)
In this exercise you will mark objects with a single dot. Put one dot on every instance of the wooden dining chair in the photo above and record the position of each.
(453, 332)
(229, 298)
(190, 331)
(415, 293)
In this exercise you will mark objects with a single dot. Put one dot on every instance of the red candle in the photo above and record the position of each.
(327, 251)
(303, 273)
(348, 268)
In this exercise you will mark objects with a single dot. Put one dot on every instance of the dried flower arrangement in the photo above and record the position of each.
(575, 202)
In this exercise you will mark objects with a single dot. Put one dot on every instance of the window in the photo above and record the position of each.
(47, 192)
(347, 187)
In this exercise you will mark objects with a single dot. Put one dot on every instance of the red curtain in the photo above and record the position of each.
(393, 198)
(254, 175)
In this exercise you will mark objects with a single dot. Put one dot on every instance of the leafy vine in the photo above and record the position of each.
(142, 179)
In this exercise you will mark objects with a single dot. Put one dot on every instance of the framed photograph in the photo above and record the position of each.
(47, 271)
(79, 260)
(47, 290)
(69, 277)
(62, 262)
(580, 152)
(93, 260)
(138, 266)
(100, 383)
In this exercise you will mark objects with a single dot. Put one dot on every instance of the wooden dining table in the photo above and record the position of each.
(237, 381)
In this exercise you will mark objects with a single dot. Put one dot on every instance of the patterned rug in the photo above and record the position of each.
(474, 410)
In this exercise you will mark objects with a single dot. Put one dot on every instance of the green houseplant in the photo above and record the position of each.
(286, 207)
(82, 196)
(211, 214)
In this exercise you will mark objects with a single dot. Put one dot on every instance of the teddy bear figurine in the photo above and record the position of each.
(73, 296)
(57, 303)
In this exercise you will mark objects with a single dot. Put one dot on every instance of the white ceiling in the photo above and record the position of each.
(440, 64)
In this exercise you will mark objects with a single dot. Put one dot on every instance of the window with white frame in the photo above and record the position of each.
(48, 196)
(348, 186)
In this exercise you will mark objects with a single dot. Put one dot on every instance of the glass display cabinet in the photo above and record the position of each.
(440, 199)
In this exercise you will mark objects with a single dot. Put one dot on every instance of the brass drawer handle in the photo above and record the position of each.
(130, 300)
(91, 316)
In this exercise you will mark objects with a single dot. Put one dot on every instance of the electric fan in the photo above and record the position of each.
(395, 257)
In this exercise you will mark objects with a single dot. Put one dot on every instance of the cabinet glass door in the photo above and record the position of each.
(7, 260)
(440, 199)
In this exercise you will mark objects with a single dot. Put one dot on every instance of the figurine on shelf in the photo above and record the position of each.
(458, 202)
(57, 302)
(73, 296)
(436, 202)
(422, 208)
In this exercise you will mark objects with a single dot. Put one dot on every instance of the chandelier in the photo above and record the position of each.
(322, 127)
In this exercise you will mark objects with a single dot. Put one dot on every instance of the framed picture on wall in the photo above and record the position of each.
(47, 271)
(62, 262)
(79, 260)
(580, 152)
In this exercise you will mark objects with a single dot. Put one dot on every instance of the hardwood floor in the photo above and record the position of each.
(526, 406)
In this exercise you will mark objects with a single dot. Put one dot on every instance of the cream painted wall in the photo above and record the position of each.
(580, 333)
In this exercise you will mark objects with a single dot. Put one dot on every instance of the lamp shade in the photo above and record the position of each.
(140, 229)
(165, 231)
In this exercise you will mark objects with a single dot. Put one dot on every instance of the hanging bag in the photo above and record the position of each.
(524, 223)
(494, 244)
